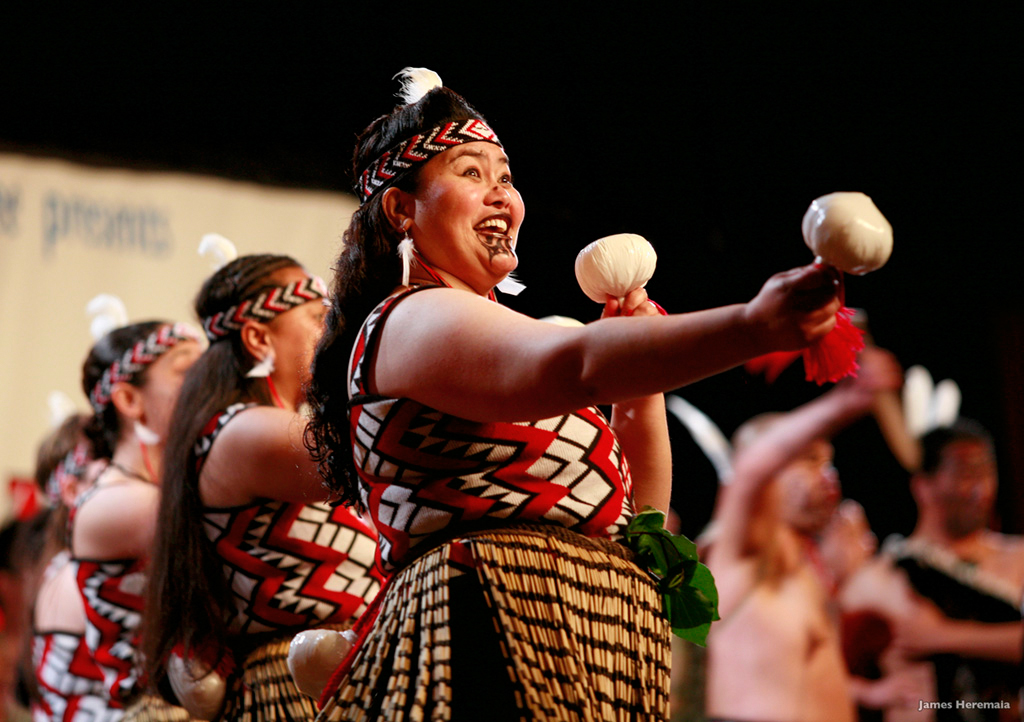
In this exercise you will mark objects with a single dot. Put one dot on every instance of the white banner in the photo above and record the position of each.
(69, 232)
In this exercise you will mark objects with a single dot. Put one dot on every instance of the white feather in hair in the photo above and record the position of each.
(706, 433)
(61, 407)
(927, 405)
(107, 313)
(946, 402)
(218, 249)
(416, 82)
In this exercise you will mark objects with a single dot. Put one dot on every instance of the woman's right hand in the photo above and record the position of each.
(795, 308)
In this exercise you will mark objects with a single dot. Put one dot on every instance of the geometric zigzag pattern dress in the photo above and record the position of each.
(290, 566)
(501, 540)
(69, 681)
(112, 592)
(113, 595)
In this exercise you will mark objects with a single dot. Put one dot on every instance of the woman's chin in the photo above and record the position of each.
(504, 264)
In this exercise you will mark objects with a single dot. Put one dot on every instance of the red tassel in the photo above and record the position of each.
(772, 364)
(834, 356)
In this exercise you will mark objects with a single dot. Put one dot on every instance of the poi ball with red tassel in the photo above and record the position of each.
(615, 266)
(848, 232)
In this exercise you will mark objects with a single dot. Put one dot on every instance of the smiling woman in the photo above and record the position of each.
(467, 219)
(471, 436)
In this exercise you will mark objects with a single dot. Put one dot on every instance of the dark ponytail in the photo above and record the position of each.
(187, 595)
(367, 270)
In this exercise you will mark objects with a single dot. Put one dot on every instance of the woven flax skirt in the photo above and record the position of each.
(149, 708)
(576, 634)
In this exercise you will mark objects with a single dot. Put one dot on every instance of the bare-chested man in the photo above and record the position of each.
(952, 590)
(775, 655)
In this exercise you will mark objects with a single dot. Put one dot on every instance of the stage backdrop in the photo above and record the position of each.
(69, 232)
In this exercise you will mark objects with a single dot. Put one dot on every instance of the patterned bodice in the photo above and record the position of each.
(71, 686)
(426, 474)
(112, 592)
(69, 681)
(290, 565)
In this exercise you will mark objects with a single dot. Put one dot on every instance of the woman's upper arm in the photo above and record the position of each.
(117, 522)
(464, 355)
(260, 454)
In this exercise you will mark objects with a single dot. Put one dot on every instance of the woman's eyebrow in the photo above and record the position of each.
(464, 151)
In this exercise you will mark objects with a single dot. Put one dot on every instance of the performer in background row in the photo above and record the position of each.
(131, 377)
(247, 553)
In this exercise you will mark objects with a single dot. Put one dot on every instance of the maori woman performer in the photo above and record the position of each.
(69, 683)
(247, 553)
(471, 435)
(131, 376)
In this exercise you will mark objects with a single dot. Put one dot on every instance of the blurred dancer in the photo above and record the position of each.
(247, 553)
(776, 652)
(131, 376)
(69, 683)
(952, 590)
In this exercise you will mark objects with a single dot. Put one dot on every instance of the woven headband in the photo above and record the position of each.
(265, 306)
(73, 464)
(419, 148)
(138, 357)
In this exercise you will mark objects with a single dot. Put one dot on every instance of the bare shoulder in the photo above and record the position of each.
(260, 454)
(877, 585)
(251, 429)
(1007, 559)
(1011, 545)
(117, 520)
(445, 310)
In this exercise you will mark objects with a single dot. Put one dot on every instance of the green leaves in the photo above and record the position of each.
(687, 587)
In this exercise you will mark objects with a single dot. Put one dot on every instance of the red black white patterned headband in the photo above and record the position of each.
(139, 357)
(420, 148)
(73, 465)
(269, 303)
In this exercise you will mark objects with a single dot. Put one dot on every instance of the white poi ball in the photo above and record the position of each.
(615, 265)
(199, 690)
(313, 655)
(847, 231)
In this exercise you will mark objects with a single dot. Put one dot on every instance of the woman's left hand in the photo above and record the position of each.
(635, 303)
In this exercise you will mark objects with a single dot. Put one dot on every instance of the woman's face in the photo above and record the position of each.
(163, 382)
(294, 335)
(467, 214)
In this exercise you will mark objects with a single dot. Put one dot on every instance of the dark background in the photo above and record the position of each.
(707, 129)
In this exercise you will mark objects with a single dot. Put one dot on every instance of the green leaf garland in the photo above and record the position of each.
(686, 585)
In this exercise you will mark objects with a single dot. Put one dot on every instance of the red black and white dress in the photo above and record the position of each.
(112, 592)
(502, 537)
(290, 566)
(113, 595)
(70, 683)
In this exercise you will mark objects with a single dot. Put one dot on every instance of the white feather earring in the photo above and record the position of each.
(510, 285)
(263, 368)
(406, 252)
(145, 434)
